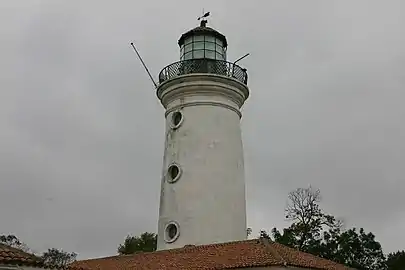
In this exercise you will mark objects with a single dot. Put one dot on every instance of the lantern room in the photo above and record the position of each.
(203, 50)
(203, 43)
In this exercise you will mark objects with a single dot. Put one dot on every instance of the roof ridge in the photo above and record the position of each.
(198, 247)
(186, 248)
(329, 261)
(268, 243)
(220, 244)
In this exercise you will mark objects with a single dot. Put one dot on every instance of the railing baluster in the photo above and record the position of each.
(203, 66)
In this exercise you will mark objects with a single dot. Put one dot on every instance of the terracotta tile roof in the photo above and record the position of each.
(249, 253)
(14, 256)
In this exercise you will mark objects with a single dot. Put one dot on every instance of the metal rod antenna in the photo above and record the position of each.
(143, 63)
(246, 55)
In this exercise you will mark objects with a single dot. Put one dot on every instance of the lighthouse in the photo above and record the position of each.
(202, 197)
(202, 213)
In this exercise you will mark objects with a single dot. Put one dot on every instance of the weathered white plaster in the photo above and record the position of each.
(208, 200)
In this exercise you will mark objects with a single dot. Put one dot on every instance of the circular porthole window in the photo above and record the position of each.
(172, 232)
(173, 173)
(176, 119)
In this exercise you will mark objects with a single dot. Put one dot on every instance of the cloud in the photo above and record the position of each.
(81, 129)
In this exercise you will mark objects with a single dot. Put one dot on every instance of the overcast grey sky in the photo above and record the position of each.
(81, 129)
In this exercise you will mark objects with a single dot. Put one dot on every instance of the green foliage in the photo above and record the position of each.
(264, 234)
(53, 256)
(396, 260)
(321, 234)
(309, 223)
(146, 242)
(359, 250)
(57, 257)
(12, 241)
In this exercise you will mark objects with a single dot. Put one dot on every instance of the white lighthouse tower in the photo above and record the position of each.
(203, 185)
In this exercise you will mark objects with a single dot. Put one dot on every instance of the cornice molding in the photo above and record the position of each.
(203, 85)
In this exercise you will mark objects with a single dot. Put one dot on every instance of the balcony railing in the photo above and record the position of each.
(211, 66)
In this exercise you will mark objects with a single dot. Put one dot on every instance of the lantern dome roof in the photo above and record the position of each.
(203, 30)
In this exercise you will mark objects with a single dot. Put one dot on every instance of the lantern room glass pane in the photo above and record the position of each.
(210, 38)
(188, 40)
(219, 56)
(188, 48)
(209, 46)
(188, 55)
(210, 54)
(198, 54)
(219, 52)
(199, 45)
(199, 38)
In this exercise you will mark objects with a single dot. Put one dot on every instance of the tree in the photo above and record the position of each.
(53, 256)
(396, 260)
(314, 231)
(146, 242)
(12, 241)
(58, 257)
(358, 250)
(309, 222)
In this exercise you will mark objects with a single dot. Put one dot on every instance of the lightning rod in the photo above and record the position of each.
(143, 63)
